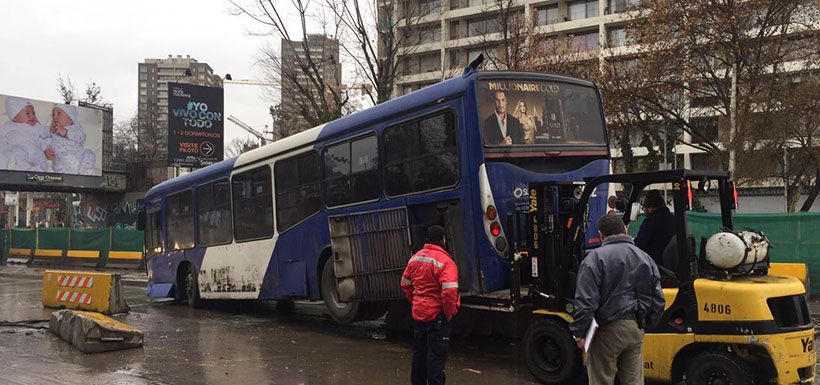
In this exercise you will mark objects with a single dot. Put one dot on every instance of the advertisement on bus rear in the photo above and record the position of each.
(534, 112)
(195, 125)
(46, 140)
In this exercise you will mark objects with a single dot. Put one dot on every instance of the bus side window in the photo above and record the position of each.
(297, 189)
(351, 172)
(153, 232)
(252, 204)
(179, 219)
(421, 155)
(213, 207)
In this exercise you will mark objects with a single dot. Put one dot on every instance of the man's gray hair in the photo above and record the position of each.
(611, 225)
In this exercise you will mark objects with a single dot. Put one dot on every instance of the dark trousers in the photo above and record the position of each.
(431, 345)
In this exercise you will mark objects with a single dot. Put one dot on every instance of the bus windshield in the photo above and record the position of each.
(539, 113)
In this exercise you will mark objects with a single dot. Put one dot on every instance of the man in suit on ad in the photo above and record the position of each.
(501, 128)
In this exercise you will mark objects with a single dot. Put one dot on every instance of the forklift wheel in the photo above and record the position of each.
(718, 368)
(551, 354)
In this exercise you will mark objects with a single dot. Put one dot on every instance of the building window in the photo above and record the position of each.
(621, 5)
(153, 231)
(548, 15)
(179, 216)
(474, 3)
(704, 129)
(421, 155)
(585, 41)
(482, 27)
(429, 63)
(427, 7)
(351, 172)
(252, 204)
(579, 10)
(617, 37)
(213, 212)
(298, 193)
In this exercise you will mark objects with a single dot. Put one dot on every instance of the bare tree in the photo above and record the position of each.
(318, 95)
(240, 145)
(378, 36)
(66, 89)
(93, 93)
(126, 135)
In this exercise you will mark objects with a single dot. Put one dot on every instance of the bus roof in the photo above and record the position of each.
(339, 127)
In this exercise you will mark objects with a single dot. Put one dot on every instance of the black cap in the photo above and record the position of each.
(653, 199)
(435, 234)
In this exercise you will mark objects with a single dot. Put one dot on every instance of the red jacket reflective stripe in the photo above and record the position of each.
(430, 283)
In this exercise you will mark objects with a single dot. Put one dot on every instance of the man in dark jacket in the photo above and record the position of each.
(657, 229)
(501, 128)
(430, 283)
(619, 286)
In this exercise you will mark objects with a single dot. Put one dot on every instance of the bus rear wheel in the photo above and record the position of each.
(341, 312)
(551, 353)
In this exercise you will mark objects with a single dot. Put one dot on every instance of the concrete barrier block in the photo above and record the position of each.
(84, 290)
(91, 332)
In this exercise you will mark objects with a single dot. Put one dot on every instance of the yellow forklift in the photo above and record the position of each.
(726, 319)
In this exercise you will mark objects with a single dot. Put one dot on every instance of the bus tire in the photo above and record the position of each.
(342, 313)
(550, 352)
(190, 287)
(709, 366)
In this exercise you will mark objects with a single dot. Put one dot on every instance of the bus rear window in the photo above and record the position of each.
(524, 113)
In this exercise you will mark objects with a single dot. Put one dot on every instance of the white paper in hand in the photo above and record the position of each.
(590, 333)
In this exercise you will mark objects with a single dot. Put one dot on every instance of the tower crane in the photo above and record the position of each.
(249, 129)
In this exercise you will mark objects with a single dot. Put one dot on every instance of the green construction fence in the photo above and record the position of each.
(794, 236)
(60, 238)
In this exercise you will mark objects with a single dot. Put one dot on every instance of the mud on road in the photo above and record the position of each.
(245, 343)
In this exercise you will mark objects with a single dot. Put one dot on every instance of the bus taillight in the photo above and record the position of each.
(491, 213)
(495, 229)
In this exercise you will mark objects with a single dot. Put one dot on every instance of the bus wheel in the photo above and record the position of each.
(190, 288)
(718, 368)
(342, 312)
(550, 352)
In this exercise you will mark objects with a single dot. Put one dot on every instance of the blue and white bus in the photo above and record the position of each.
(333, 213)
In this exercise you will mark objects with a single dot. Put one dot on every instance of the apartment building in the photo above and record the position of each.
(324, 52)
(452, 33)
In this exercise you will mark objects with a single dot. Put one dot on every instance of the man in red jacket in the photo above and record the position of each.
(430, 283)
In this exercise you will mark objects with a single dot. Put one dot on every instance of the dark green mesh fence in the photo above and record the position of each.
(125, 239)
(52, 238)
(23, 239)
(90, 239)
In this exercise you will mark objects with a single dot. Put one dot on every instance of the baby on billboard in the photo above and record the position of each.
(28, 145)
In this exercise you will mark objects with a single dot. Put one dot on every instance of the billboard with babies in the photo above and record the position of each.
(42, 138)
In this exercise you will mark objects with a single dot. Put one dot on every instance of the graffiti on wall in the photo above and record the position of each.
(93, 212)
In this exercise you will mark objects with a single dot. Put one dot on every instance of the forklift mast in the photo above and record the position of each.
(553, 252)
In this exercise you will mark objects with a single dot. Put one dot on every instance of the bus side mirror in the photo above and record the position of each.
(633, 212)
(141, 220)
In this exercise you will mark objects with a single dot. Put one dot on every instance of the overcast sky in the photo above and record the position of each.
(103, 40)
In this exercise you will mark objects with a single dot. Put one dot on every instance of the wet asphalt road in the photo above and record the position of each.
(233, 344)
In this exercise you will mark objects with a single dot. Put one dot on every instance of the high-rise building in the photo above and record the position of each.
(152, 112)
(323, 51)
